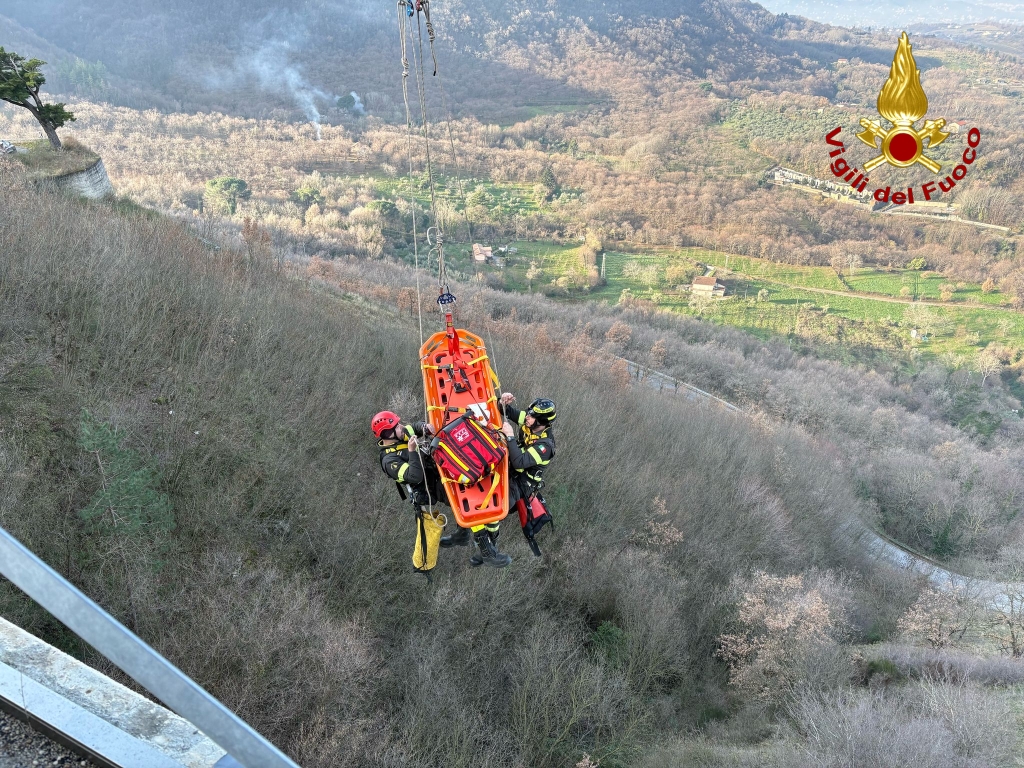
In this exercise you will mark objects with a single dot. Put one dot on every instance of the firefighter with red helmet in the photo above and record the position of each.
(414, 473)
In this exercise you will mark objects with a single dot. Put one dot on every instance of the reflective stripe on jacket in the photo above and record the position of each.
(530, 453)
(400, 466)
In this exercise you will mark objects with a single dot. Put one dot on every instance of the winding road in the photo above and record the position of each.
(993, 594)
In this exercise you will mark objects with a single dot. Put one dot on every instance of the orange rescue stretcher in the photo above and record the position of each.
(457, 379)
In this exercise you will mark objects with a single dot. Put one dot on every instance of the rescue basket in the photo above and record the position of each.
(459, 385)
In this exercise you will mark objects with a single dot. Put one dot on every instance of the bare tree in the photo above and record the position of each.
(988, 364)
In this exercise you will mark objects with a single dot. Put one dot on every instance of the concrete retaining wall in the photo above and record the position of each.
(92, 183)
(94, 714)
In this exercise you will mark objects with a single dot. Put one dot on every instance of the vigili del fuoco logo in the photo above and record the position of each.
(902, 102)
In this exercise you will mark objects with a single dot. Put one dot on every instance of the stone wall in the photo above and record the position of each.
(92, 183)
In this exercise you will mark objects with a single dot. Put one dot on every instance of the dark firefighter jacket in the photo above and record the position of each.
(531, 452)
(406, 468)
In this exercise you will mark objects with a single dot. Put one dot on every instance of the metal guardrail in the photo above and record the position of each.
(665, 382)
(151, 670)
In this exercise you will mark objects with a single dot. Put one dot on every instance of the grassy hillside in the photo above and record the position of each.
(492, 55)
(260, 548)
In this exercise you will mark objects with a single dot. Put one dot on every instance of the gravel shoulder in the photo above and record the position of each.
(22, 747)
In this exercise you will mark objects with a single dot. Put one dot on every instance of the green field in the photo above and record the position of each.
(809, 277)
(919, 285)
(760, 303)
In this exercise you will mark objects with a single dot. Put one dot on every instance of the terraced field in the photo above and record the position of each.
(872, 309)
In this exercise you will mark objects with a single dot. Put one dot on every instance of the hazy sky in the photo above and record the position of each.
(885, 13)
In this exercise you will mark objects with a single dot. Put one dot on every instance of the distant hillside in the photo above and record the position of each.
(70, 73)
(876, 13)
(251, 58)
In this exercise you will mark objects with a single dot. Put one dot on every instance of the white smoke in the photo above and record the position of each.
(272, 67)
(357, 107)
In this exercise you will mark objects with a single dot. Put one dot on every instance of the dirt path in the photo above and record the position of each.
(872, 296)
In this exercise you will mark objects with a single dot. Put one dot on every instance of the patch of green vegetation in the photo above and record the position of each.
(506, 199)
(983, 423)
(884, 667)
(126, 206)
(809, 277)
(537, 264)
(610, 641)
(914, 284)
(945, 544)
(781, 127)
(129, 500)
(767, 298)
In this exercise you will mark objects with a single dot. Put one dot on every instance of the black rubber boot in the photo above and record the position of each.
(460, 538)
(486, 553)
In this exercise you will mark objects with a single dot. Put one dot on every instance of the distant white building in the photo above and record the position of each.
(709, 286)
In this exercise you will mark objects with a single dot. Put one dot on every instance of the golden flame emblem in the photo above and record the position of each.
(903, 102)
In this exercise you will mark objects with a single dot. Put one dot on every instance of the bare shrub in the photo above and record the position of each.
(786, 635)
(981, 724)
(847, 730)
(554, 702)
(941, 617)
(296, 657)
(1006, 625)
(927, 725)
(949, 664)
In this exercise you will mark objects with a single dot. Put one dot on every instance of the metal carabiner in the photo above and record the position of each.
(446, 297)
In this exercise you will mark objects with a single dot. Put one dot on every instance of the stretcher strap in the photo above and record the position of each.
(494, 484)
(427, 366)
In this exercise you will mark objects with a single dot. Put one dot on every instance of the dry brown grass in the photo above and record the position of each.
(285, 586)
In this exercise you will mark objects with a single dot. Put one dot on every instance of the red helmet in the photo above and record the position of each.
(382, 422)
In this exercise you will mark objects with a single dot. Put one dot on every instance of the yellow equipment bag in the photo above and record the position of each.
(428, 538)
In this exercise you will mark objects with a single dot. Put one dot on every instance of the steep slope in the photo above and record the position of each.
(252, 539)
(259, 547)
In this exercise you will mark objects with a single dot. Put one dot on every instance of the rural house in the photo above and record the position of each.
(707, 285)
(481, 252)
